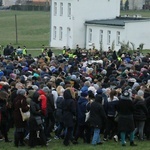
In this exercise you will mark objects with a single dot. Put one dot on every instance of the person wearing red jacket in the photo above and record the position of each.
(43, 100)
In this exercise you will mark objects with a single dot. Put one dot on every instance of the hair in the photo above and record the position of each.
(60, 90)
(112, 94)
(87, 83)
(98, 98)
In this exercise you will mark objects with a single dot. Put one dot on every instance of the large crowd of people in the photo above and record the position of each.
(88, 94)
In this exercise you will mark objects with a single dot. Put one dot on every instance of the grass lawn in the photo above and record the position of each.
(33, 28)
(57, 145)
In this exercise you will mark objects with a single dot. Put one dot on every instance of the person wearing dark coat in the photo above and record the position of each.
(35, 129)
(83, 129)
(4, 115)
(140, 116)
(125, 119)
(111, 127)
(20, 125)
(147, 123)
(97, 119)
(69, 111)
(58, 112)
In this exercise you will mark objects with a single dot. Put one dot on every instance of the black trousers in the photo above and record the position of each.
(4, 130)
(111, 128)
(83, 131)
(68, 136)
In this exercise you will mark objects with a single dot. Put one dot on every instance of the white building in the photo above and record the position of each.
(94, 21)
(136, 4)
(8, 2)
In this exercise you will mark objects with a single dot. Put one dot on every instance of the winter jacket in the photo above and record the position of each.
(147, 101)
(58, 112)
(20, 102)
(43, 99)
(97, 115)
(69, 109)
(34, 112)
(81, 110)
(125, 110)
(112, 106)
(140, 110)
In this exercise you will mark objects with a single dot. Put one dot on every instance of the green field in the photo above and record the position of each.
(33, 28)
(58, 145)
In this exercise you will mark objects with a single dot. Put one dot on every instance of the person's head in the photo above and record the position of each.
(107, 92)
(98, 98)
(60, 90)
(87, 83)
(140, 93)
(67, 94)
(46, 90)
(21, 92)
(126, 95)
(112, 94)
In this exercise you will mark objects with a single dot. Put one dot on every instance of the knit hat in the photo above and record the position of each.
(140, 93)
(13, 76)
(21, 91)
(126, 94)
(84, 93)
(46, 89)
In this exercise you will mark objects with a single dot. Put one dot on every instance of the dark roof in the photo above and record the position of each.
(118, 21)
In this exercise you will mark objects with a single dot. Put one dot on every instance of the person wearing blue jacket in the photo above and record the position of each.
(83, 129)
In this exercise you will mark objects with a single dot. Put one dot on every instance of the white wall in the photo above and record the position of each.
(138, 33)
(135, 32)
(96, 37)
(91, 10)
(82, 10)
(60, 21)
(9, 2)
(136, 4)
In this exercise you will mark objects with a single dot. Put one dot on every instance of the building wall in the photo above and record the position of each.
(136, 4)
(140, 33)
(81, 11)
(96, 36)
(136, 36)
(9, 2)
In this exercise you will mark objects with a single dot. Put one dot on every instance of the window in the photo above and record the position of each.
(108, 37)
(55, 9)
(101, 36)
(61, 9)
(118, 38)
(90, 35)
(60, 33)
(69, 9)
(54, 33)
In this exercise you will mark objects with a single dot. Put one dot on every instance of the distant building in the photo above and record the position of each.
(8, 2)
(95, 22)
(136, 4)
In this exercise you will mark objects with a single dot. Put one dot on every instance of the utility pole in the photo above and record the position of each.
(16, 29)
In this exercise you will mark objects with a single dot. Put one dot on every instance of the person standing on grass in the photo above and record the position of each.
(125, 120)
(140, 115)
(4, 115)
(69, 111)
(83, 130)
(20, 125)
(97, 119)
(111, 127)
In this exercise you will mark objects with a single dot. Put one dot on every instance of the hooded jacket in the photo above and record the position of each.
(140, 110)
(43, 99)
(81, 108)
(69, 109)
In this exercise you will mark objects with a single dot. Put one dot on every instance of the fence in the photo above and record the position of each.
(30, 7)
